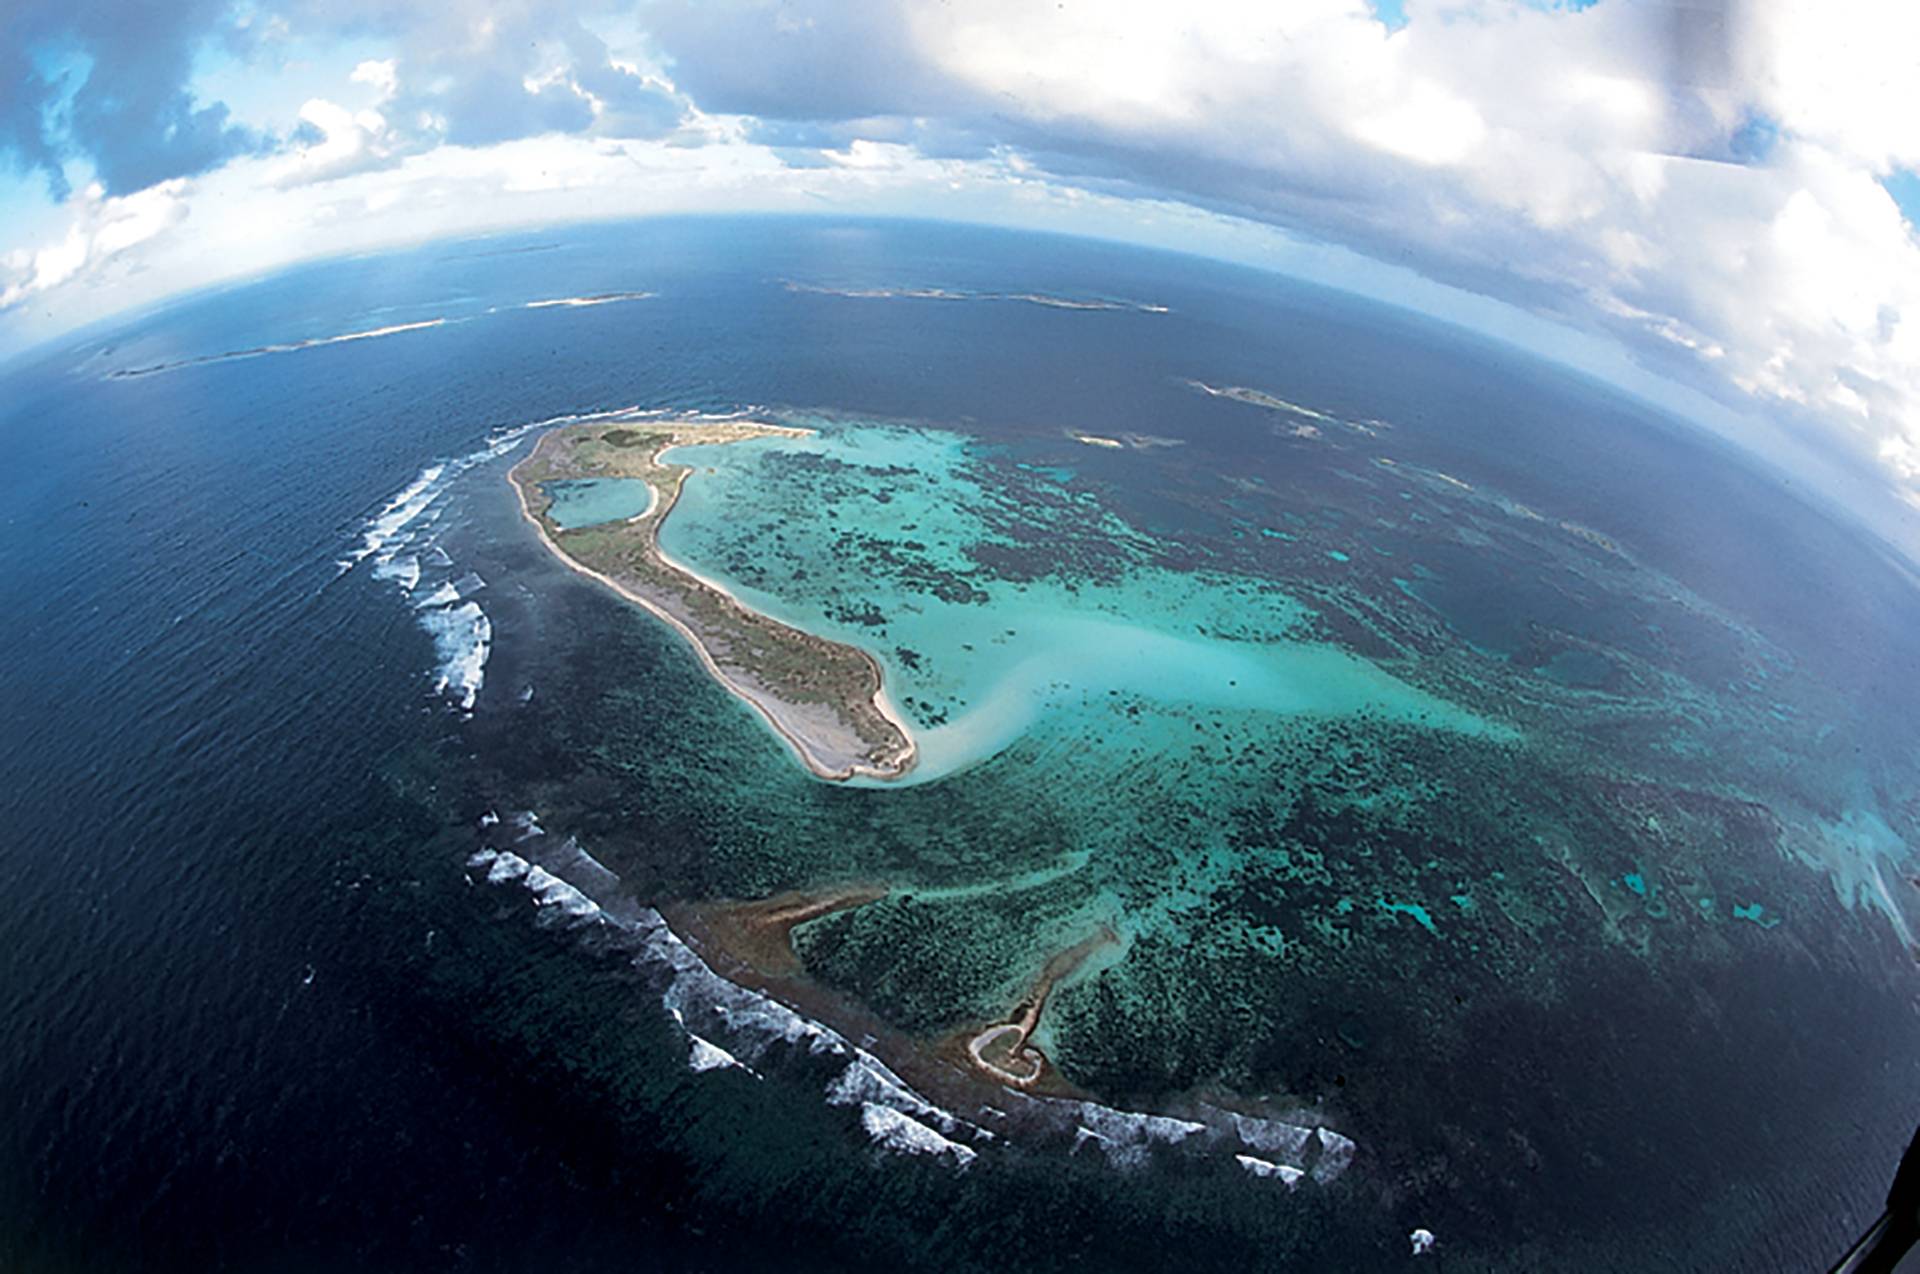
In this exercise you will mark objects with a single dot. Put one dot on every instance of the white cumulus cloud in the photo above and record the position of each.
(1700, 179)
(103, 229)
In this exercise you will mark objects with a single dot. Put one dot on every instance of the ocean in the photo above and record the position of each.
(1481, 767)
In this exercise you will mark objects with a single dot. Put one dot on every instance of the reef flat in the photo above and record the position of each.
(1301, 789)
(825, 698)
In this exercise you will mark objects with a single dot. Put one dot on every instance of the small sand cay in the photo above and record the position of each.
(1003, 1050)
(825, 698)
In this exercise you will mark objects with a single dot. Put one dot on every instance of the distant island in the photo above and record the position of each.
(825, 698)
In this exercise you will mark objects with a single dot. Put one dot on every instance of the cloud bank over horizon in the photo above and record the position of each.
(1714, 185)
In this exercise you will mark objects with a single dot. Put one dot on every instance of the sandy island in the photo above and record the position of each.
(825, 698)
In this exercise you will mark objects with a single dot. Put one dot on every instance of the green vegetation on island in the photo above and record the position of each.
(824, 697)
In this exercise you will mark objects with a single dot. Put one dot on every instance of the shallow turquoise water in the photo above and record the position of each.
(583, 502)
(976, 660)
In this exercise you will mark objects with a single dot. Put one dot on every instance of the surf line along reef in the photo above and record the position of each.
(825, 698)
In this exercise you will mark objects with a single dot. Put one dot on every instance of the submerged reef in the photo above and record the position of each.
(1243, 797)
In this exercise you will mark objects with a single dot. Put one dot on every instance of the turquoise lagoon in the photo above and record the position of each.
(582, 502)
(1116, 730)
(793, 526)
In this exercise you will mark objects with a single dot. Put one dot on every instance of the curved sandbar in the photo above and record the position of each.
(823, 697)
(1003, 1050)
(760, 933)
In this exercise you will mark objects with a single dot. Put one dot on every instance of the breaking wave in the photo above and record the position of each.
(365, 334)
(730, 1027)
(289, 347)
(906, 1135)
(579, 302)
(399, 539)
(462, 637)
(1287, 1174)
(1047, 299)
(707, 1056)
(444, 594)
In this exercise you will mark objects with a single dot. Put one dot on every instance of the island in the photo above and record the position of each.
(599, 490)
(1004, 1050)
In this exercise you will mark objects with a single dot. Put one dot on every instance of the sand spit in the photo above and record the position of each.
(825, 699)
(1004, 1051)
(761, 933)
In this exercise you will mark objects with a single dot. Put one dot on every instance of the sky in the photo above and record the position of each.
(1712, 203)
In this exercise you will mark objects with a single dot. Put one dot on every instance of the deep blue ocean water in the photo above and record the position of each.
(259, 1019)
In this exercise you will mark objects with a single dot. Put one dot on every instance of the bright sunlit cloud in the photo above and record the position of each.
(1705, 186)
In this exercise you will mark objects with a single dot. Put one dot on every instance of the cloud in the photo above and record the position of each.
(627, 102)
(1844, 72)
(479, 74)
(332, 142)
(773, 60)
(382, 74)
(471, 74)
(1575, 162)
(1701, 180)
(120, 102)
(103, 230)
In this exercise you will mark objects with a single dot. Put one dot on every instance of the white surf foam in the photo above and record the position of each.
(869, 1081)
(462, 636)
(708, 1056)
(394, 538)
(1272, 1136)
(1127, 1127)
(405, 569)
(444, 594)
(566, 902)
(392, 329)
(418, 502)
(506, 867)
(283, 347)
(394, 516)
(906, 1135)
(1336, 1153)
(1048, 299)
(1266, 1168)
(582, 302)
